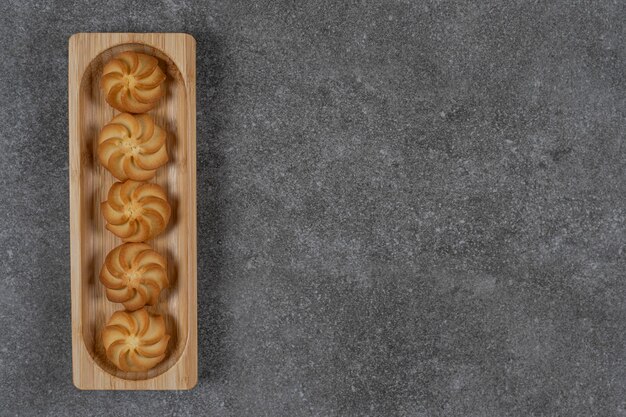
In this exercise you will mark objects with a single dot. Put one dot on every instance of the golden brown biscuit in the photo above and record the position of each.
(133, 82)
(136, 211)
(135, 341)
(132, 147)
(134, 275)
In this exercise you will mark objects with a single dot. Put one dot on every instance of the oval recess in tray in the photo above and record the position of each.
(95, 182)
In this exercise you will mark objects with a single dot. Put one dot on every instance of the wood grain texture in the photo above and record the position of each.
(89, 184)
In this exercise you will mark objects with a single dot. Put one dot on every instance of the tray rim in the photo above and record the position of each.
(183, 374)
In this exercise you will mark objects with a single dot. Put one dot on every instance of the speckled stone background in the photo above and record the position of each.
(406, 208)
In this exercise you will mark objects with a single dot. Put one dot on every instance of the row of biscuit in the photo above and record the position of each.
(132, 147)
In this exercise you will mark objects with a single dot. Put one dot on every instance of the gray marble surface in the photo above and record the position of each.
(405, 208)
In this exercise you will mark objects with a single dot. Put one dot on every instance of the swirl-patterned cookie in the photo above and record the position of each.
(133, 82)
(134, 275)
(136, 211)
(135, 341)
(132, 147)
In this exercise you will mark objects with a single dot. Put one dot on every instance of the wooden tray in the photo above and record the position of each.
(89, 183)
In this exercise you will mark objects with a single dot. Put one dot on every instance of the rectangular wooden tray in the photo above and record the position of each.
(89, 184)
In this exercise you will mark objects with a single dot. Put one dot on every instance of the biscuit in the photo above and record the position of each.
(134, 275)
(135, 341)
(136, 211)
(132, 147)
(133, 82)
